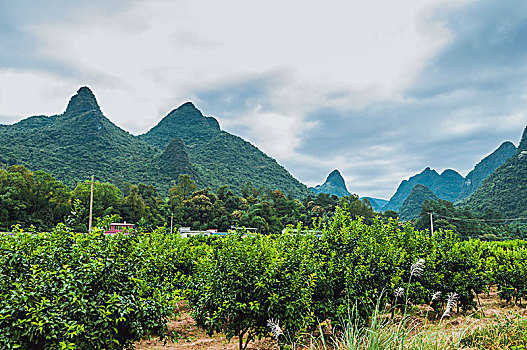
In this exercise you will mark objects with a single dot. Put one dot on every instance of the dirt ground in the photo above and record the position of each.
(192, 338)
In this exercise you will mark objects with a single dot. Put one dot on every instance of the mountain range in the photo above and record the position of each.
(450, 185)
(445, 185)
(82, 141)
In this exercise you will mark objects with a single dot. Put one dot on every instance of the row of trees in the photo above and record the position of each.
(36, 198)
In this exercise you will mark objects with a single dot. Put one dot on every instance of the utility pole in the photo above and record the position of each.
(171, 221)
(91, 205)
(431, 225)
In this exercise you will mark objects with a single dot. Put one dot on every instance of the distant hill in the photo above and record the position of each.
(376, 203)
(334, 185)
(82, 141)
(485, 167)
(505, 190)
(450, 185)
(411, 207)
(445, 185)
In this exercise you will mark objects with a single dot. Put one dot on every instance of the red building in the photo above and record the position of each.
(116, 227)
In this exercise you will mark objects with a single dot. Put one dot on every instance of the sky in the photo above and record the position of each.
(378, 89)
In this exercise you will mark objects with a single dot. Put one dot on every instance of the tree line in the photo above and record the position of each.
(38, 199)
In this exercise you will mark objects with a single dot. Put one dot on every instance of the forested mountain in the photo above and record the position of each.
(334, 185)
(218, 157)
(82, 141)
(505, 190)
(485, 167)
(445, 185)
(78, 143)
(411, 208)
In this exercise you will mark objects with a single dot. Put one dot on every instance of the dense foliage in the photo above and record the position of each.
(346, 265)
(485, 167)
(63, 290)
(37, 199)
(67, 290)
(411, 207)
(246, 280)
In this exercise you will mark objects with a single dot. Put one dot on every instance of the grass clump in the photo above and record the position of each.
(507, 332)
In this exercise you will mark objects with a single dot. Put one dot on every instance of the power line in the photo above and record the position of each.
(481, 220)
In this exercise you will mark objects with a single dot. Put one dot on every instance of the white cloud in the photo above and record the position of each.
(25, 93)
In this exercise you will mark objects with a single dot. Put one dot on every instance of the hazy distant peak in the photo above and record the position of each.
(336, 179)
(188, 104)
(428, 170)
(83, 101)
(450, 172)
(507, 144)
(334, 184)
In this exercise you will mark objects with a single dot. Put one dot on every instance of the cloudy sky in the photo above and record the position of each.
(379, 89)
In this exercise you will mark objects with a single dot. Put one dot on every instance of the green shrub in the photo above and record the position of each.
(358, 263)
(66, 290)
(247, 279)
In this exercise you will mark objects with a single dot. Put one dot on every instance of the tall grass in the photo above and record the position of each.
(413, 333)
(388, 333)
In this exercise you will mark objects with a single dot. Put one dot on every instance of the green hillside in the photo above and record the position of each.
(218, 157)
(505, 190)
(82, 141)
(485, 167)
(411, 208)
(334, 184)
(77, 143)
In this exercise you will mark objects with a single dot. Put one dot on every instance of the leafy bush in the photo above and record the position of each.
(65, 290)
(247, 279)
(358, 263)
